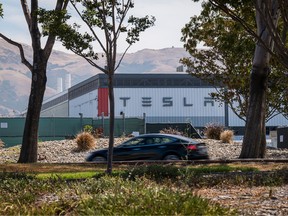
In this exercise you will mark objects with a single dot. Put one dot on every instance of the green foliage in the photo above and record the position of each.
(155, 172)
(227, 59)
(149, 190)
(103, 18)
(1, 10)
(105, 21)
(88, 128)
(104, 196)
(66, 175)
(112, 196)
(139, 25)
(213, 131)
(20, 191)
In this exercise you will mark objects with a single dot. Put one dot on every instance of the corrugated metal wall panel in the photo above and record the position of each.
(85, 104)
(169, 104)
(279, 120)
(196, 121)
(234, 120)
(59, 110)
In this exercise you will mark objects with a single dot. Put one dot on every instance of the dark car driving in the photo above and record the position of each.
(154, 147)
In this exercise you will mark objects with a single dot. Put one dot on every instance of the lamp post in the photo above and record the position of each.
(81, 120)
(123, 116)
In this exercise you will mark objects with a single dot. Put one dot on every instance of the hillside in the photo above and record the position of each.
(15, 77)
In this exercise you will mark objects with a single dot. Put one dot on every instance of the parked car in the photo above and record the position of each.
(154, 147)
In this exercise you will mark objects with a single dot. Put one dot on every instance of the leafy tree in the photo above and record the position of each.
(1, 10)
(108, 17)
(271, 41)
(38, 67)
(228, 59)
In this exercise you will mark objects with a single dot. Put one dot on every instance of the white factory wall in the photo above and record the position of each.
(192, 105)
(233, 119)
(59, 110)
(170, 104)
(278, 120)
(86, 104)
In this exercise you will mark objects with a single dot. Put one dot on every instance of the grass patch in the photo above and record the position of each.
(102, 196)
(138, 190)
(160, 172)
(68, 175)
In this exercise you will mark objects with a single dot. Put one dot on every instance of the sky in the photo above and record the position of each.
(171, 16)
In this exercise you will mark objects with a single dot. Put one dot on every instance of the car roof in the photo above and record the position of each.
(163, 134)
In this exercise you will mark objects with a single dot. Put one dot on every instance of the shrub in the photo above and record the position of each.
(227, 136)
(88, 128)
(213, 131)
(156, 172)
(99, 132)
(85, 141)
(171, 130)
(2, 144)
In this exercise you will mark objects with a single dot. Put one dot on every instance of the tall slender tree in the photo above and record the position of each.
(38, 69)
(226, 62)
(271, 41)
(106, 20)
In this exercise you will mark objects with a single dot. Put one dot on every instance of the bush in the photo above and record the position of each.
(2, 144)
(88, 128)
(171, 130)
(227, 136)
(156, 172)
(85, 141)
(213, 131)
(99, 132)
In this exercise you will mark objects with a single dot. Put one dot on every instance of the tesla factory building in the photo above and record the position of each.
(162, 98)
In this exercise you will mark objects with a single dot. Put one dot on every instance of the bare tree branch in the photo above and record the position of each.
(22, 55)
(26, 12)
(88, 25)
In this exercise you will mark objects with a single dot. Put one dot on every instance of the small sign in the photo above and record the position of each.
(281, 138)
(4, 125)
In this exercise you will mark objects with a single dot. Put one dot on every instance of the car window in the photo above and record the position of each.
(167, 140)
(150, 141)
(135, 141)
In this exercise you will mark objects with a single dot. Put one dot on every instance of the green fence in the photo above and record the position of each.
(11, 129)
(122, 126)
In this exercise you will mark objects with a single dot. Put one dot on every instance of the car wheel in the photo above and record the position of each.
(99, 159)
(171, 157)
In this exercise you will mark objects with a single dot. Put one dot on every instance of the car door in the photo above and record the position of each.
(129, 150)
(153, 149)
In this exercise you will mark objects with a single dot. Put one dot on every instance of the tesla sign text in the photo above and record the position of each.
(166, 101)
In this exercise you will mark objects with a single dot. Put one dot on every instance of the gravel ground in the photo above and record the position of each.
(262, 201)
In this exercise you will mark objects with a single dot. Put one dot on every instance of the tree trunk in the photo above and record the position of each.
(29, 148)
(111, 124)
(254, 142)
